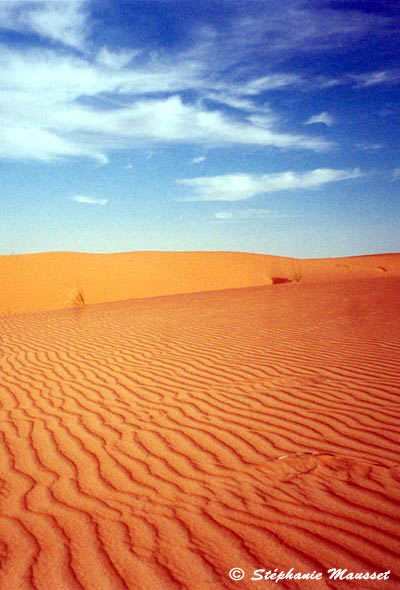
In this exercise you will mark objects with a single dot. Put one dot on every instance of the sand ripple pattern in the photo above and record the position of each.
(156, 444)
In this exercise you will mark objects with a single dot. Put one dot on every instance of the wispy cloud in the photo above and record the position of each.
(360, 80)
(115, 60)
(242, 96)
(59, 103)
(73, 98)
(246, 215)
(43, 116)
(198, 159)
(236, 187)
(396, 174)
(281, 28)
(231, 99)
(269, 82)
(376, 78)
(366, 146)
(324, 118)
(90, 200)
(63, 21)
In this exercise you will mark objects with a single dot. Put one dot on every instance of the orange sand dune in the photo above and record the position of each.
(65, 279)
(156, 444)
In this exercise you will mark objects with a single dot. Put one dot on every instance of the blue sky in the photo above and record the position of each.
(259, 126)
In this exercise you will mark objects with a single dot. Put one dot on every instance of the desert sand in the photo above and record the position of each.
(59, 280)
(166, 417)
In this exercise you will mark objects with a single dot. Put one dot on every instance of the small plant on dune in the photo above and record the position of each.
(296, 275)
(79, 299)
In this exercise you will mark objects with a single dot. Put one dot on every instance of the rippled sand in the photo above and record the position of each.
(154, 444)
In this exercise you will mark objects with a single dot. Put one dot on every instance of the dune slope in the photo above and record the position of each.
(159, 443)
(59, 280)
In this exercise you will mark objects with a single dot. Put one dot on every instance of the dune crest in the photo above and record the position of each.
(57, 280)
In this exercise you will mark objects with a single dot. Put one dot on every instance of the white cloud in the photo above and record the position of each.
(367, 146)
(236, 95)
(55, 105)
(377, 78)
(278, 29)
(324, 118)
(263, 119)
(236, 187)
(102, 159)
(225, 215)
(63, 21)
(323, 82)
(41, 93)
(229, 187)
(89, 200)
(246, 214)
(27, 142)
(232, 100)
(115, 59)
(198, 159)
(269, 82)
(364, 80)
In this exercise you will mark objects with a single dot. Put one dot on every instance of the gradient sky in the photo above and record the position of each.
(259, 126)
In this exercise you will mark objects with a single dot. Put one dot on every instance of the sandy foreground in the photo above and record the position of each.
(157, 443)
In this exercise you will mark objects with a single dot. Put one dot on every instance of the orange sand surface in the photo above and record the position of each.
(56, 280)
(155, 444)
